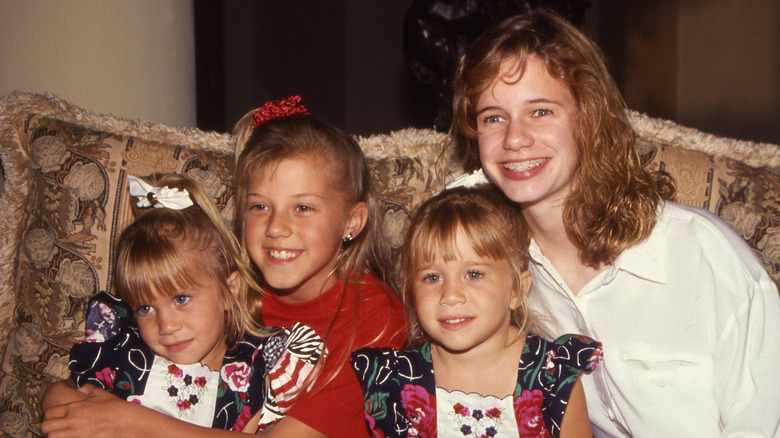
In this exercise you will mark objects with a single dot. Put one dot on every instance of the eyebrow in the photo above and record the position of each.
(527, 102)
(296, 196)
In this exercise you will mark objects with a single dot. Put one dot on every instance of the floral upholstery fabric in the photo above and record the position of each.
(747, 198)
(63, 201)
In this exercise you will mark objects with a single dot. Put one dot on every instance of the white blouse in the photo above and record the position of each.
(690, 323)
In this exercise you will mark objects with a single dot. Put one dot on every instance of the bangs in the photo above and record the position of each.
(150, 268)
(438, 236)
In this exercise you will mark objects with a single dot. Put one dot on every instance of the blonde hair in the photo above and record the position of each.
(303, 136)
(613, 202)
(163, 251)
(491, 222)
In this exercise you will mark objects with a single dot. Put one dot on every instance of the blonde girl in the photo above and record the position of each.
(479, 367)
(307, 216)
(178, 338)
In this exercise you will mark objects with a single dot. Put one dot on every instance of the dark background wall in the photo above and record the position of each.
(345, 58)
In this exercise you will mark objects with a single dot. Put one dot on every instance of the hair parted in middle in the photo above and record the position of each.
(613, 202)
(494, 227)
(163, 250)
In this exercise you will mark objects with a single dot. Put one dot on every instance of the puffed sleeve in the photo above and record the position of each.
(290, 372)
(575, 352)
(109, 344)
(565, 358)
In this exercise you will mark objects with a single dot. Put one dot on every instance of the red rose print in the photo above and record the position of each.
(243, 417)
(420, 409)
(106, 375)
(528, 411)
(377, 433)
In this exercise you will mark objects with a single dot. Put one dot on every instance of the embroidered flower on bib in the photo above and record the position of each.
(184, 390)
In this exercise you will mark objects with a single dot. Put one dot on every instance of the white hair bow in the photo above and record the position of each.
(469, 180)
(158, 197)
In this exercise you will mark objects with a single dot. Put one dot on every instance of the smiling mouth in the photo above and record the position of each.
(521, 166)
(177, 347)
(458, 320)
(282, 254)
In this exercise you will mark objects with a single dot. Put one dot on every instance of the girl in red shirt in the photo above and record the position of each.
(308, 218)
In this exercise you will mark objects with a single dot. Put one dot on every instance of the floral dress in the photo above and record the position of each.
(114, 357)
(401, 397)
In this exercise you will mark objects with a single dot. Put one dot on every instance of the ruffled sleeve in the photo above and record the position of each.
(576, 352)
(110, 344)
(550, 370)
(291, 366)
(107, 315)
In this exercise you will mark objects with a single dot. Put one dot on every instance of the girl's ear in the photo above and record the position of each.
(234, 282)
(356, 220)
(519, 296)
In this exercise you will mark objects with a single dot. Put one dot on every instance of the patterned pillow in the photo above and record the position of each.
(710, 173)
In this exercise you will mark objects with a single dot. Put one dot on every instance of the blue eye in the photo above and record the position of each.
(474, 275)
(181, 299)
(144, 309)
(431, 278)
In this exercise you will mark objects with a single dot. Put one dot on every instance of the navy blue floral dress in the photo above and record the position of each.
(400, 390)
(114, 357)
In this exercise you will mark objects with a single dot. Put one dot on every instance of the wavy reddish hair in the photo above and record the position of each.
(613, 203)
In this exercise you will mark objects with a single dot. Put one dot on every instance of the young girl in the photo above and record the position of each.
(180, 340)
(686, 309)
(481, 369)
(308, 218)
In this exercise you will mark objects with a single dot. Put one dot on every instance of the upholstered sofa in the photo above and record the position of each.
(63, 200)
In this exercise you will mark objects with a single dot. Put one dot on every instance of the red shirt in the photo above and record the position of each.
(337, 409)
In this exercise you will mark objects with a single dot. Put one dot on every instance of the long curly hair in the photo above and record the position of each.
(614, 200)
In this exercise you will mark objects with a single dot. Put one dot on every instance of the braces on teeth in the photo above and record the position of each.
(524, 165)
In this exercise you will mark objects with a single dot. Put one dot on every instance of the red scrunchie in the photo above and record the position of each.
(280, 108)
